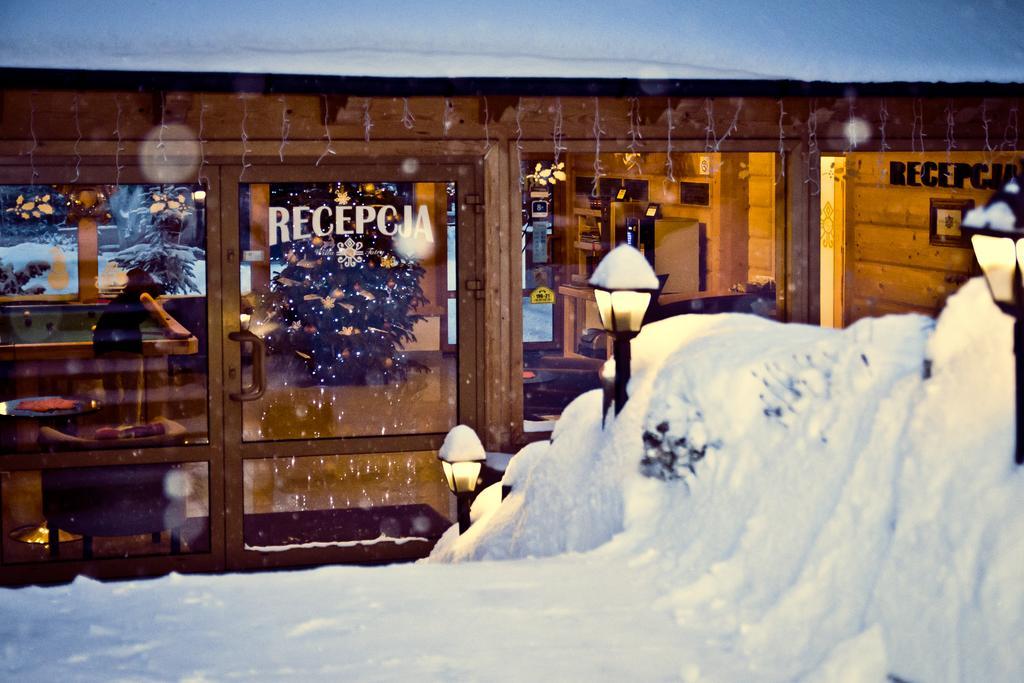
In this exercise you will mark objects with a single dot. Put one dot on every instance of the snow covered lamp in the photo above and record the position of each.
(997, 235)
(462, 455)
(623, 285)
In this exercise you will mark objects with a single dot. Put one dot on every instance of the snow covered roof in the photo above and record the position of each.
(868, 41)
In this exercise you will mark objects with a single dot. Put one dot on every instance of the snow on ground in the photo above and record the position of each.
(844, 519)
(871, 40)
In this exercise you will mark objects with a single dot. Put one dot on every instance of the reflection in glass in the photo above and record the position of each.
(708, 232)
(97, 512)
(347, 285)
(102, 317)
(344, 500)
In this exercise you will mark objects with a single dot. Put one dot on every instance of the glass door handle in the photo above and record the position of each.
(259, 377)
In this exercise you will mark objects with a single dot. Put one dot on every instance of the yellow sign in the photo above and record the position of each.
(542, 295)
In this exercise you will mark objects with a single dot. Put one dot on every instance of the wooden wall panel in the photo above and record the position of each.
(892, 267)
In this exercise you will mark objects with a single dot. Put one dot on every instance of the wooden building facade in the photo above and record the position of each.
(338, 271)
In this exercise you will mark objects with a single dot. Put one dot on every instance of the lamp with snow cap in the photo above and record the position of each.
(462, 455)
(997, 235)
(623, 283)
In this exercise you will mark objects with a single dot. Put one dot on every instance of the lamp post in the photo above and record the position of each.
(623, 285)
(462, 455)
(997, 235)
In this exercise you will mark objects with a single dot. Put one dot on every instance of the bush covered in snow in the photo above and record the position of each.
(817, 509)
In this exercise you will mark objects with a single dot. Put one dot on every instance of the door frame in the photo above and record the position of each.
(468, 176)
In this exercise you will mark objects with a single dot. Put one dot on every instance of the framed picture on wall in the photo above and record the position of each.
(946, 215)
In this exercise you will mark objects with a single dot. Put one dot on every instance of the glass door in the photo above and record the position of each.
(350, 322)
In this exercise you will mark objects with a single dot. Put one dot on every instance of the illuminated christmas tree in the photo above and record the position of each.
(346, 303)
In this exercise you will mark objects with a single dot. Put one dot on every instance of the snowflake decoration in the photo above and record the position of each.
(389, 261)
(350, 253)
(328, 302)
(341, 197)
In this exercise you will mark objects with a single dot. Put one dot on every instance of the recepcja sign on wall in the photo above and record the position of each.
(304, 222)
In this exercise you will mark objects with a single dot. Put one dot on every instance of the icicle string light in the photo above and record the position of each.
(160, 144)
(782, 142)
(670, 171)
(78, 140)
(119, 148)
(487, 128)
(1011, 129)
(883, 146)
(598, 132)
(851, 127)
(709, 127)
(408, 120)
(635, 134)
(984, 126)
(328, 148)
(448, 117)
(201, 176)
(917, 127)
(713, 143)
(519, 141)
(950, 136)
(286, 127)
(35, 141)
(557, 134)
(813, 154)
(367, 120)
(245, 139)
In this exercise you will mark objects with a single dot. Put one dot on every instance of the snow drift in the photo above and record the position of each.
(820, 505)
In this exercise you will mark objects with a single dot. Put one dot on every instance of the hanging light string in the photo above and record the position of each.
(119, 148)
(245, 138)
(598, 132)
(78, 139)
(851, 128)
(1011, 127)
(367, 120)
(635, 134)
(950, 135)
(670, 126)
(917, 127)
(328, 148)
(487, 129)
(160, 144)
(519, 140)
(35, 141)
(286, 127)
(709, 126)
(813, 154)
(883, 145)
(448, 117)
(712, 143)
(984, 126)
(557, 134)
(201, 178)
(782, 142)
(408, 120)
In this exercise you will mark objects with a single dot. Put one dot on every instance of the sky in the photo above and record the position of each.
(872, 40)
